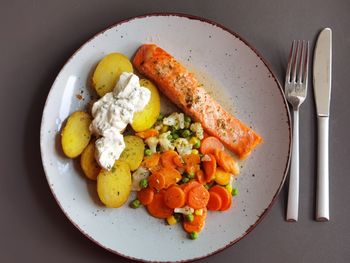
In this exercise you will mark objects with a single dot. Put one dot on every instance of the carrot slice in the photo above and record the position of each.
(224, 208)
(155, 168)
(158, 208)
(209, 168)
(151, 161)
(192, 159)
(192, 162)
(145, 195)
(171, 176)
(192, 169)
(209, 144)
(148, 133)
(224, 195)
(178, 161)
(205, 135)
(174, 197)
(200, 176)
(167, 158)
(198, 197)
(156, 180)
(197, 224)
(188, 186)
(227, 162)
(215, 201)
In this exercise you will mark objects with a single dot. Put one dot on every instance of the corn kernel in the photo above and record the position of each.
(164, 128)
(194, 151)
(229, 188)
(194, 140)
(198, 212)
(171, 220)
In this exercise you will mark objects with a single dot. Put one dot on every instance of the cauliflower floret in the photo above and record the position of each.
(206, 158)
(175, 119)
(198, 129)
(137, 176)
(152, 143)
(232, 179)
(186, 210)
(158, 126)
(164, 142)
(183, 147)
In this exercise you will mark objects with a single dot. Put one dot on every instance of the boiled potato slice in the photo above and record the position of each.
(76, 134)
(145, 119)
(88, 162)
(114, 186)
(108, 71)
(133, 152)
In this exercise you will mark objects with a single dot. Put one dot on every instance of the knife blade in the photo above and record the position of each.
(322, 72)
(322, 78)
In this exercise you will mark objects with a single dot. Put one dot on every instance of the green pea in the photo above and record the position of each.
(185, 133)
(135, 204)
(209, 185)
(189, 217)
(170, 137)
(197, 144)
(234, 191)
(143, 183)
(188, 119)
(187, 125)
(178, 217)
(148, 152)
(190, 175)
(193, 235)
(160, 117)
(185, 179)
(175, 136)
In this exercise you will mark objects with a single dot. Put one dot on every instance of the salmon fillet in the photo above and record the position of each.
(183, 89)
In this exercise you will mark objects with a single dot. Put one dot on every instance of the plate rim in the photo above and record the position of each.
(257, 53)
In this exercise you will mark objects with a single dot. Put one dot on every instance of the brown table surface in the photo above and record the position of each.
(37, 37)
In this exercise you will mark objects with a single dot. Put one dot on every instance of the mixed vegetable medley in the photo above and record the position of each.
(177, 170)
(183, 173)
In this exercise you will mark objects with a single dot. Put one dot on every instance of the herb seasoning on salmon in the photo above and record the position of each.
(183, 89)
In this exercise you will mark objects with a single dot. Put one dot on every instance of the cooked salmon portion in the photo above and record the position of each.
(183, 89)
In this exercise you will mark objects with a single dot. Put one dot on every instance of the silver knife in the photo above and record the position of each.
(322, 80)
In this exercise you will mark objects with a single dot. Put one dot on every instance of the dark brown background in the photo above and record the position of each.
(37, 37)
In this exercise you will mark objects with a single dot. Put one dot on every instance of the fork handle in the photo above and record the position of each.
(322, 205)
(293, 192)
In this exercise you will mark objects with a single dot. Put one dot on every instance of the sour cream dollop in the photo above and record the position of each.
(112, 113)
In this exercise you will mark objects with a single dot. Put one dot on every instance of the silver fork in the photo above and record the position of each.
(295, 91)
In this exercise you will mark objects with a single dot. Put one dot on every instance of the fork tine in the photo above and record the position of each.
(302, 62)
(306, 66)
(295, 64)
(290, 60)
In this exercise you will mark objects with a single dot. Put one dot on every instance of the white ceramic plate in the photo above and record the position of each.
(238, 78)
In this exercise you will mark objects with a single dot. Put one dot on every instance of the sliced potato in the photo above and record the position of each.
(108, 71)
(88, 162)
(76, 134)
(145, 119)
(133, 152)
(114, 186)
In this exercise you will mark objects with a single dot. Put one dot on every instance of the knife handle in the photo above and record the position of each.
(322, 205)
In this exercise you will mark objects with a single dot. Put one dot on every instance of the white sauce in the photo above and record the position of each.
(112, 113)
